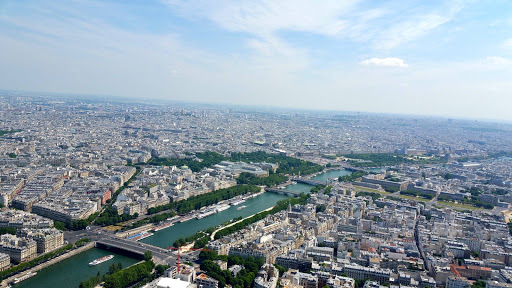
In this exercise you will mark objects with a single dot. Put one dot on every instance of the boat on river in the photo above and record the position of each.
(237, 202)
(140, 236)
(186, 218)
(163, 226)
(206, 213)
(24, 277)
(222, 207)
(101, 260)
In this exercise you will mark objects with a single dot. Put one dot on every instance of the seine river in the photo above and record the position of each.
(72, 271)
(165, 238)
(331, 174)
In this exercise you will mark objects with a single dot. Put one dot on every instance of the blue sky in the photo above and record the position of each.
(448, 58)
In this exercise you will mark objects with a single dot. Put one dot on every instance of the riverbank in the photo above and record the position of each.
(143, 228)
(74, 270)
(77, 270)
(166, 237)
(48, 263)
(191, 215)
(70, 272)
(212, 237)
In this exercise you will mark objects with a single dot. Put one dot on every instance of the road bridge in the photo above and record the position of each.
(134, 248)
(283, 192)
(308, 181)
(353, 169)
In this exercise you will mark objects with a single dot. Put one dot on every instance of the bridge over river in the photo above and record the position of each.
(309, 181)
(109, 241)
(282, 191)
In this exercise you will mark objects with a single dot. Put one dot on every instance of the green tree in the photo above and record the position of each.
(148, 256)
(320, 208)
(478, 284)
(160, 269)
(129, 276)
(374, 196)
(8, 230)
(113, 268)
(59, 225)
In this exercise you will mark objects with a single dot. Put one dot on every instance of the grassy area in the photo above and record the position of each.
(113, 228)
(417, 194)
(359, 188)
(387, 159)
(414, 198)
(458, 205)
(287, 165)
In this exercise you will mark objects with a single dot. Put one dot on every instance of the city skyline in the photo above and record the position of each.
(390, 57)
(18, 94)
(336, 198)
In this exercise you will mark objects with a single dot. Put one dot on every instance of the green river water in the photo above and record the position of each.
(70, 272)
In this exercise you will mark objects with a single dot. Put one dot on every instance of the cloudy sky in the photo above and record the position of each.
(449, 58)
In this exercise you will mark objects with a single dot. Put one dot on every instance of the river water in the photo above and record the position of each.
(331, 174)
(299, 187)
(165, 238)
(72, 271)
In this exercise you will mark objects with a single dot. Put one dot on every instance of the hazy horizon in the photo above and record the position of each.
(451, 59)
(249, 107)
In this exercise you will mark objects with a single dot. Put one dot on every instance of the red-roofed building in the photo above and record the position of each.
(205, 281)
(472, 272)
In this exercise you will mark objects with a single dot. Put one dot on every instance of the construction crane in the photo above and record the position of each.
(179, 249)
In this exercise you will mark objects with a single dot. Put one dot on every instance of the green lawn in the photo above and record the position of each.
(458, 205)
(359, 188)
(413, 198)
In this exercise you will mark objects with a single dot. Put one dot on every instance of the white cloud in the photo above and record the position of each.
(264, 20)
(409, 30)
(413, 25)
(263, 17)
(386, 26)
(82, 52)
(387, 62)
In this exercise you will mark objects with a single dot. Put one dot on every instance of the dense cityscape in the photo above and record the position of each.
(127, 194)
